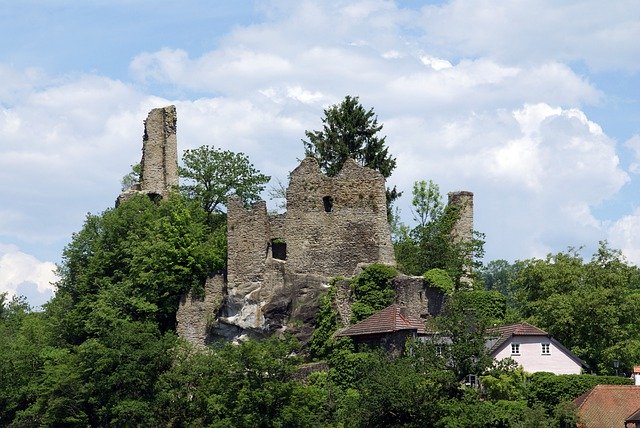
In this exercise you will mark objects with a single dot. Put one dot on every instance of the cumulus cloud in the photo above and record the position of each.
(633, 144)
(21, 272)
(625, 235)
(537, 172)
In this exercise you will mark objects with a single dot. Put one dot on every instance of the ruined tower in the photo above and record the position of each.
(159, 152)
(462, 231)
(159, 165)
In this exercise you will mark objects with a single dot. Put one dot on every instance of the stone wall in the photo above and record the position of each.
(417, 297)
(159, 151)
(463, 229)
(196, 315)
(334, 223)
(278, 266)
(159, 164)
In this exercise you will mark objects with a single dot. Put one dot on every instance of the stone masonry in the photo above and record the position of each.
(278, 265)
(159, 151)
(463, 229)
(159, 165)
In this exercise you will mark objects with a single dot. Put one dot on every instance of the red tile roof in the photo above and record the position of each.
(390, 319)
(607, 406)
(506, 331)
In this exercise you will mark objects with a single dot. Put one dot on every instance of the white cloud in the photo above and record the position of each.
(537, 173)
(600, 34)
(633, 144)
(624, 234)
(507, 124)
(18, 268)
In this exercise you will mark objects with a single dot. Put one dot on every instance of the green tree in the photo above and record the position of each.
(465, 329)
(133, 177)
(134, 262)
(351, 131)
(213, 175)
(372, 290)
(430, 244)
(555, 293)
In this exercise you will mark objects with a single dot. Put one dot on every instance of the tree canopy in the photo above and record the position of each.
(212, 175)
(430, 244)
(588, 306)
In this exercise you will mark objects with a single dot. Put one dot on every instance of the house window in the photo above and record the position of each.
(546, 349)
(515, 349)
(471, 380)
(439, 350)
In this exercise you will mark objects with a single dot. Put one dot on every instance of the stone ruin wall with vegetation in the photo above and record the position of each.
(279, 265)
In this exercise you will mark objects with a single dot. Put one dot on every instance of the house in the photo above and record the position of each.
(609, 406)
(636, 375)
(389, 328)
(534, 349)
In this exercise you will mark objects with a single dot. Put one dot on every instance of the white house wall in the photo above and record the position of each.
(532, 359)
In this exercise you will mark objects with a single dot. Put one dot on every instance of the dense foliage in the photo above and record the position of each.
(104, 350)
(429, 244)
(212, 175)
(591, 306)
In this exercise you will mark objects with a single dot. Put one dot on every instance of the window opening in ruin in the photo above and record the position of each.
(278, 249)
(328, 203)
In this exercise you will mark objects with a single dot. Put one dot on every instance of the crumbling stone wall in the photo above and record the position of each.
(159, 151)
(334, 223)
(278, 266)
(417, 297)
(463, 228)
(196, 315)
(159, 165)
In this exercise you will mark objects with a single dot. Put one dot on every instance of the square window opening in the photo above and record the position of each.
(278, 249)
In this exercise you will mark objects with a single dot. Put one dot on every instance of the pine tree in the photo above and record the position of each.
(351, 131)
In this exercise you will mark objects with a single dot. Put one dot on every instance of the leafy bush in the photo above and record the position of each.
(440, 279)
(372, 290)
(550, 389)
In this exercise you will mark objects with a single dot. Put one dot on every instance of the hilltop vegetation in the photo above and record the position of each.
(104, 352)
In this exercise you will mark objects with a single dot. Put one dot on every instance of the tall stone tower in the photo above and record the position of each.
(159, 165)
(159, 151)
(462, 231)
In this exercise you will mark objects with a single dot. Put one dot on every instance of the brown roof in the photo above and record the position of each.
(636, 369)
(634, 418)
(390, 319)
(506, 331)
(607, 406)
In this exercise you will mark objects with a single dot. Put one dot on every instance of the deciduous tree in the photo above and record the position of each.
(213, 175)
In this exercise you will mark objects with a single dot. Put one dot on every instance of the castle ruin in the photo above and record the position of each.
(159, 164)
(279, 265)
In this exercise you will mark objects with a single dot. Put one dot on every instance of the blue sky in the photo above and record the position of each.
(533, 106)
